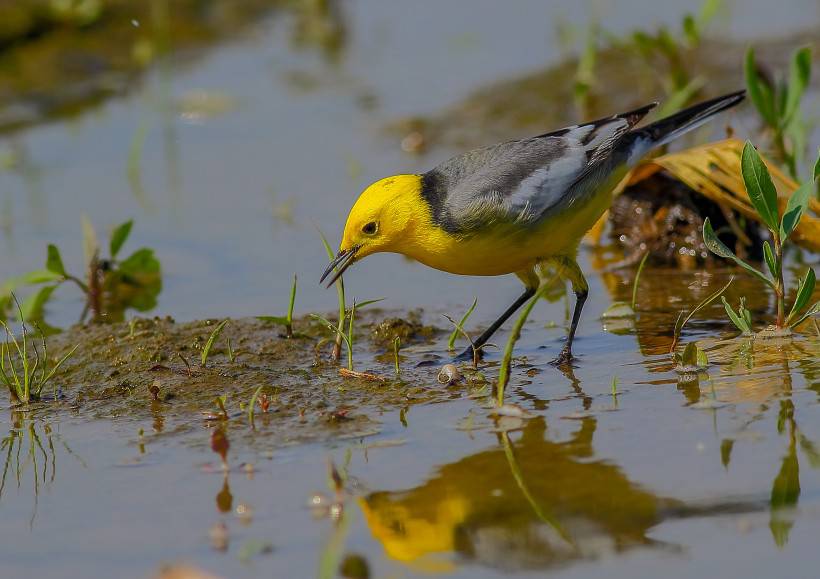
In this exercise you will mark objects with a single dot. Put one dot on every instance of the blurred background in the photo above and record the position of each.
(230, 131)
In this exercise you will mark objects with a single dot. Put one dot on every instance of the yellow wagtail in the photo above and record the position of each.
(512, 207)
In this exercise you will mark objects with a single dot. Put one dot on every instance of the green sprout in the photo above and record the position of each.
(763, 196)
(340, 292)
(683, 320)
(614, 386)
(111, 285)
(24, 364)
(252, 405)
(346, 336)
(451, 342)
(222, 403)
(206, 351)
(396, 346)
(476, 350)
(742, 319)
(286, 320)
(778, 103)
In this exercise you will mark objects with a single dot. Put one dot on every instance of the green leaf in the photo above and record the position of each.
(739, 322)
(768, 254)
(451, 342)
(809, 313)
(142, 261)
(760, 92)
(32, 307)
(799, 75)
(717, 247)
(31, 278)
(817, 167)
(805, 289)
(795, 208)
(759, 186)
(119, 237)
(366, 303)
(54, 262)
(206, 351)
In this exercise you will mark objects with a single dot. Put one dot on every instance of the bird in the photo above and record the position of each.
(516, 207)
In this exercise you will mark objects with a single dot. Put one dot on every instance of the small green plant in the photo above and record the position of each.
(742, 319)
(252, 405)
(110, 285)
(476, 350)
(451, 342)
(683, 320)
(206, 351)
(286, 320)
(24, 364)
(347, 337)
(336, 354)
(396, 346)
(763, 196)
(778, 103)
(222, 403)
(614, 386)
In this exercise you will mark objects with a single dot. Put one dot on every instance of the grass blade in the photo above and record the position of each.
(206, 351)
(637, 279)
(682, 321)
(451, 342)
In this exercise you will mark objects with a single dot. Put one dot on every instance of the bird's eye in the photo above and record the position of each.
(370, 228)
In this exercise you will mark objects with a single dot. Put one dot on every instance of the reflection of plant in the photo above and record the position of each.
(41, 454)
(786, 485)
(24, 364)
(110, 285)
(778, 103)
(763, 196)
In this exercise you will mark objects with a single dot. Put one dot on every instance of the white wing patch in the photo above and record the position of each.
(546, 185)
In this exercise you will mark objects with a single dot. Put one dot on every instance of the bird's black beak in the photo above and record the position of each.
(340, 263)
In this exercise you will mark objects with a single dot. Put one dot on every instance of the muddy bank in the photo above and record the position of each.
(151, 369)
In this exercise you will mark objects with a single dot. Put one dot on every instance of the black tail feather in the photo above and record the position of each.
(669, 128)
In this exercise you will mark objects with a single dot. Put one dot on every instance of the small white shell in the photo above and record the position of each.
(449, 374)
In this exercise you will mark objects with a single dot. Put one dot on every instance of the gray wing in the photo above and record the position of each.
(518, 181)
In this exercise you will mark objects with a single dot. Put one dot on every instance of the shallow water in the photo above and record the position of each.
(673, 475)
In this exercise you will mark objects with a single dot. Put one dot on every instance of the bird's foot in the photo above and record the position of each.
(564, 359)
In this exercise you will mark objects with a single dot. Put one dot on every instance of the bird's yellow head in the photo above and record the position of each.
(382, 219)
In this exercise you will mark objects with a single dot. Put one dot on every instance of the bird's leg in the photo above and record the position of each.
(569, 269)
(531, 285)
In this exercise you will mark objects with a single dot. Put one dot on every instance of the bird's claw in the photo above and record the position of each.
(565, 358)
